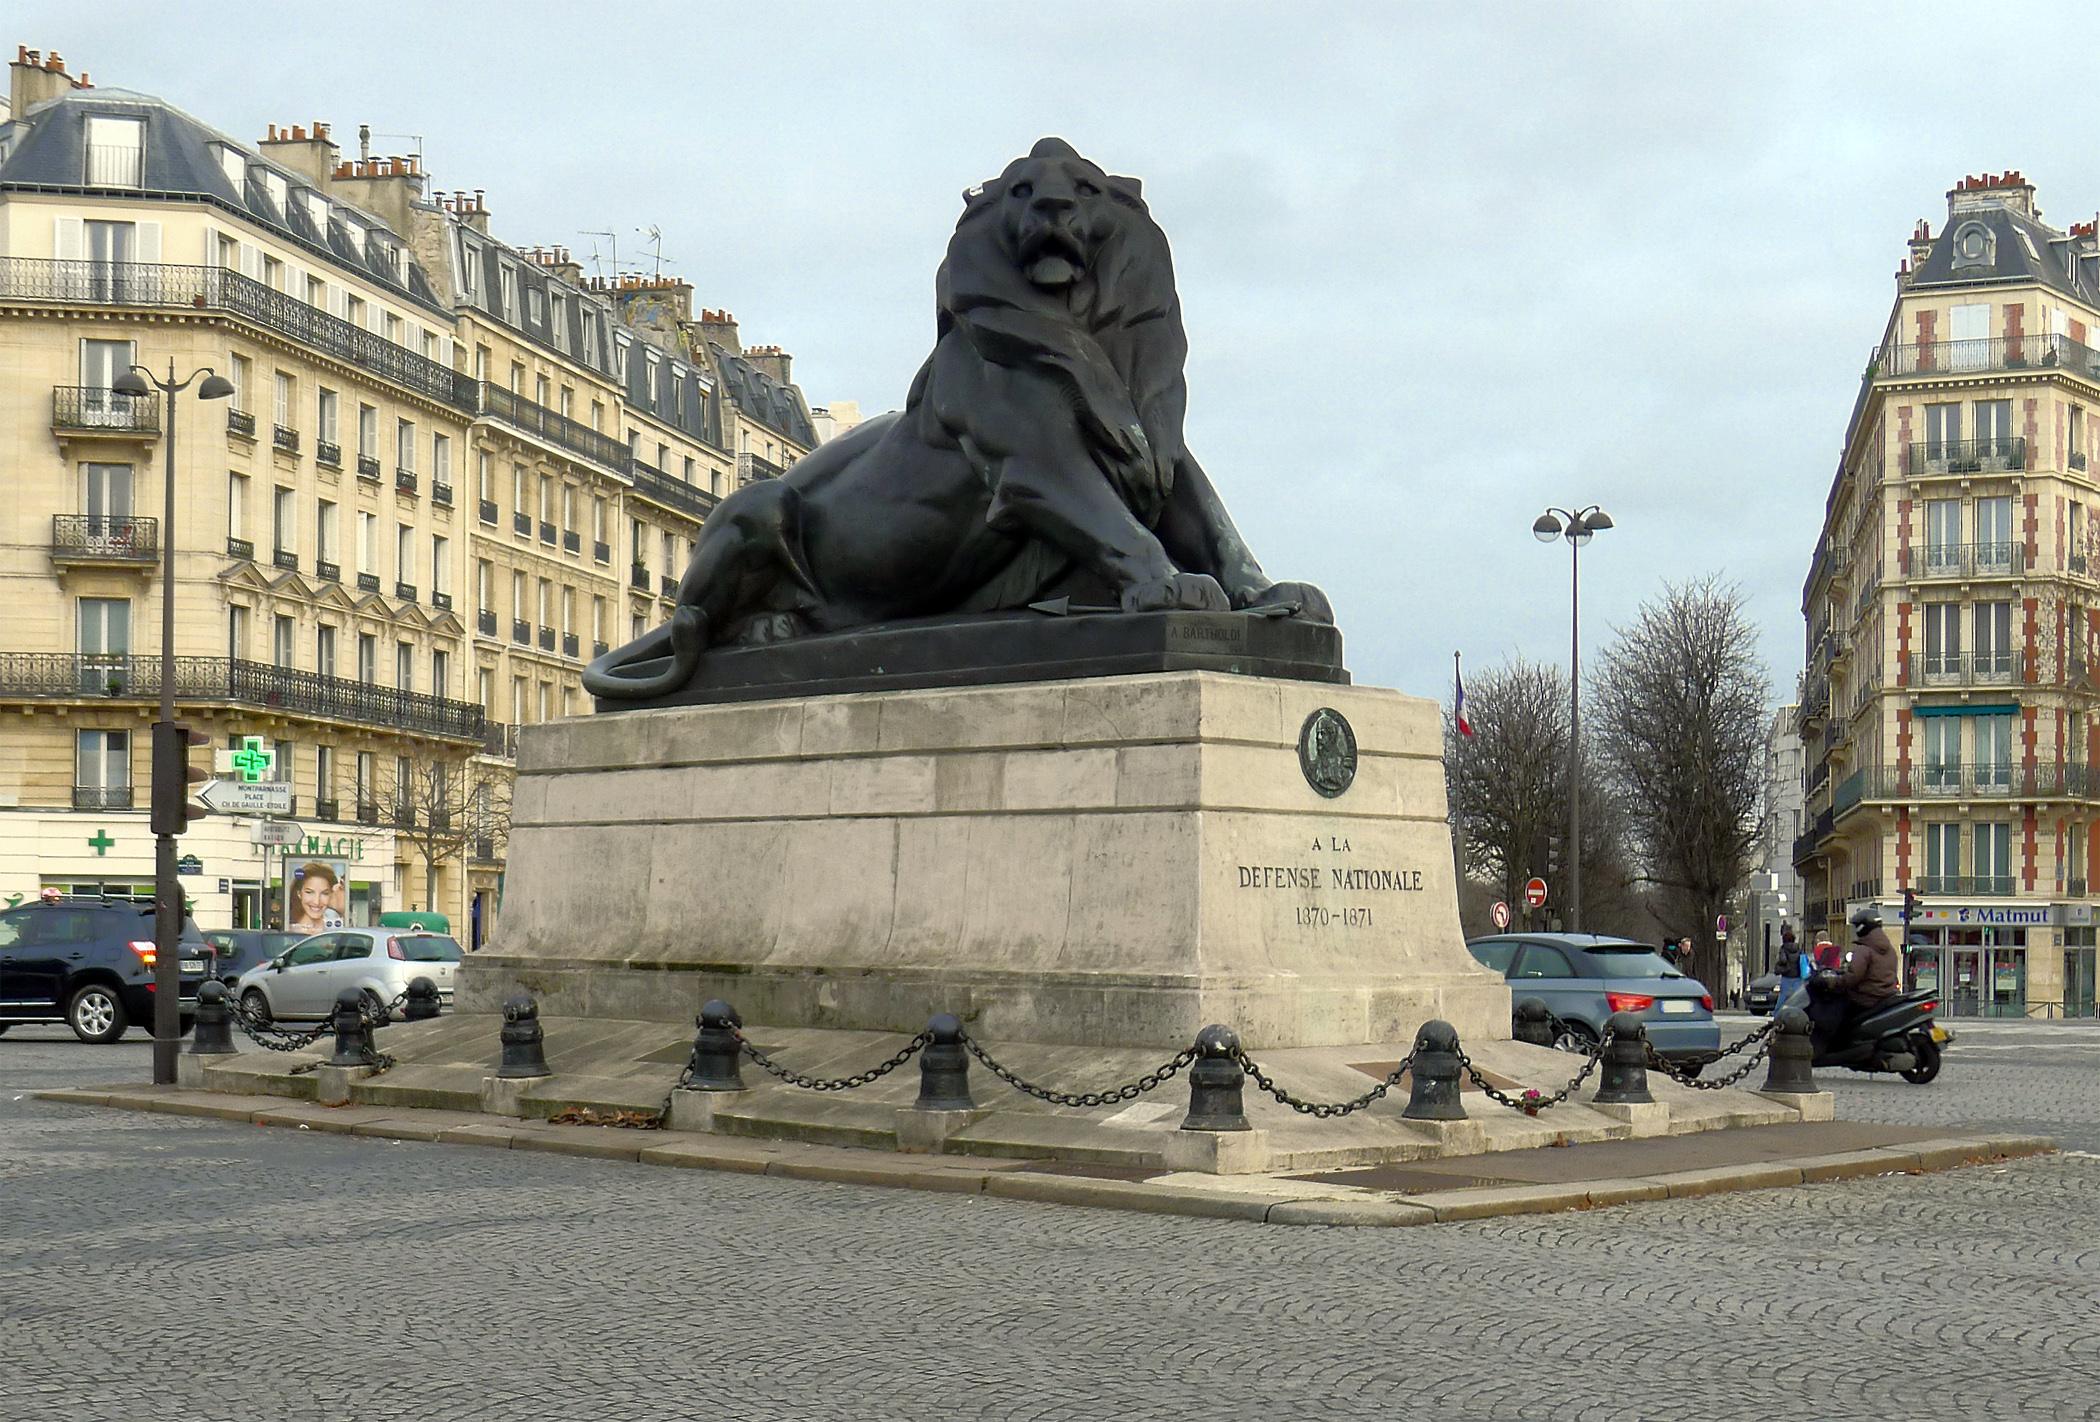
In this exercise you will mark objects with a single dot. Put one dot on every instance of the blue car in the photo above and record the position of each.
(1584, 978)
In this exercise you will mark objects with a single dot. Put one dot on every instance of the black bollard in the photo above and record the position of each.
(422, 1004)
(1624, 1078)
(944, 1067)
(1215, 1080)
(353, 1037)
(1793, 1054)
(1433, 1091)
(1533, 1023)
(524, 1040)
(214, 1034)
(717, 1050)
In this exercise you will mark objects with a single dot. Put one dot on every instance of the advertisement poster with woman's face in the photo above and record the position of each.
(318, 896)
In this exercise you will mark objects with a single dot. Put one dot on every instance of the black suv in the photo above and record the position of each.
(89, 964)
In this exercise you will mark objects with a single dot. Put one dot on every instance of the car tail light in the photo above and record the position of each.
(148, 954)
(393, 950)
(1629, 1001)
(1706, 1000)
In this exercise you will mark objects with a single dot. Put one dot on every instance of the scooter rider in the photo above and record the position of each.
(1872, 972)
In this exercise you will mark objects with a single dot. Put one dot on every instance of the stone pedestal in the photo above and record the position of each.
(1111, 862)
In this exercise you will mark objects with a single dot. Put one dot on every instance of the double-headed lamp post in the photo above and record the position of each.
(170, 791)
(1578, 527)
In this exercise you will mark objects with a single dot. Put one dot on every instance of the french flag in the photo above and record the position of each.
(1458, 703)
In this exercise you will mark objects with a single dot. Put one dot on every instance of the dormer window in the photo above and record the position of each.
(316, 209)
(113, 151)
(1974, 247)
(235, 167)
(356, 237)
(276, 187)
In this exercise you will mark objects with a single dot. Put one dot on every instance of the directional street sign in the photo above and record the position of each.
(230, 797)
(1535, 893)
(275, 832)
(1499, 913)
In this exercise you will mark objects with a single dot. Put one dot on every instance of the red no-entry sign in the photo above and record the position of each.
(1535, 893)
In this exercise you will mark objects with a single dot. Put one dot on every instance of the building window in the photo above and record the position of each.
(283, 535)
(236, 506)
(1942, 852)
(1994, 751)
(237, 632)
(507, 291)
(518, 486)
(440, 459)
(113, 151)
(324, 532)
(485, 477)
(539, 391)
(440, 566)
(1942, 638)
(440, 673)
(368, 543)
(1942, 754)
(284, 651)
(287, 394)
(1968, 332)
(405, 444)
(324, 772)
(1994, 424)
(102, 762)
(1994, 858)
(484, 585)
(404, 553)
(324, 650)
(405, 666)
(368, 431)
(518, 606)
(238, 368)
(103, 634)
(568, 611)
(367, 658)
(325, 401)
(363, 788)
(1992, 653)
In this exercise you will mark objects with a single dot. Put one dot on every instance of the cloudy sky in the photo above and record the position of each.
(1441, 265)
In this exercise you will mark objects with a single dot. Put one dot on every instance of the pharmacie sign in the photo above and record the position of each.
(321, 846)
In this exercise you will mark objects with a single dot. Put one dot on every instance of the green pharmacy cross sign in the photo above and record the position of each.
(252, 761)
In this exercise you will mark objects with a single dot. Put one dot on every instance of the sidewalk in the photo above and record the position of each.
(1572, 1177)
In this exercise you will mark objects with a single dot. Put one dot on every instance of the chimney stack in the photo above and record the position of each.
(35, 77)
(1985, 190)
(719, 327)
(307, 152)
(772, 360)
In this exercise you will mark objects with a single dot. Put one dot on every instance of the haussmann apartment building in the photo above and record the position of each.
(1949, 702)
(452, 472)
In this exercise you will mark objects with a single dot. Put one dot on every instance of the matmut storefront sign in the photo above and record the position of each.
(1955, 915)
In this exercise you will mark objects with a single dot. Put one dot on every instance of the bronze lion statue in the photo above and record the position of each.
(1039, 453)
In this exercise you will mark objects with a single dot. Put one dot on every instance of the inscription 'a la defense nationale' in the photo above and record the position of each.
(1315, 876)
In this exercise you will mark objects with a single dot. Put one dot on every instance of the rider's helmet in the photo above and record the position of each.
(1865, 920)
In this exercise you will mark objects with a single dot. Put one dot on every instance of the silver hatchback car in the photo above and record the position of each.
(305, 980)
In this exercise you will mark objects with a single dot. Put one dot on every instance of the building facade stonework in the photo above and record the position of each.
(1948, 703)
(452, 472)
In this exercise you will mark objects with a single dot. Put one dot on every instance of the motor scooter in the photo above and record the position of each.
(1897, 1036)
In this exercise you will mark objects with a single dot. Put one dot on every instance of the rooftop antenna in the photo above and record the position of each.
(614, 239)
(656, 240)
(364, 143)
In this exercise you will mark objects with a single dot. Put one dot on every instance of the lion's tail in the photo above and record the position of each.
(677, 646)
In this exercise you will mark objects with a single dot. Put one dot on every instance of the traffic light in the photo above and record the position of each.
(1911, 906)
(173, 775)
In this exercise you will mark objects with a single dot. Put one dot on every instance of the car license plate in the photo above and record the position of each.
(1676, 1004)
(193, 965)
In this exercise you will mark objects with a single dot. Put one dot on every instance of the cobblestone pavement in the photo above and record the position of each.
(320, 1279)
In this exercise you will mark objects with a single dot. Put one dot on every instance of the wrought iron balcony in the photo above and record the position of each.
(1925, 458)
(1979, 886)
(485, 851)
(286, 440)
(546, 533)
(328, 454)
(367, 812)
(2011, 353)
(569, 644)
(441, 601)
(90, 410)
(212, 288)
(750, 468)
(368, 582)
(487, 512)
(441, 494)
(240, 548)
(233, 681)
(330, 810)
(105, 538)
(1960, 669)
(368, 467)
(521, 631)
(521, 524)
(601, 551)
(598, 649)
(404, 480)
(658, 487)
(2061, 780)
(285, 558)
(638, 575)
(500, 740)
(240, 422)
(485, 622)
(101, 797)
(1964, 560)
(546, 639)
(559, 430)
(571, 541)
(327, 571)
(406, 592)
(667, 585)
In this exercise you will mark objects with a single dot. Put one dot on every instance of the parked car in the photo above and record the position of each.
(304, 980)
(1762, 995)
(89, 964)
(1585, 978)
(235, 950)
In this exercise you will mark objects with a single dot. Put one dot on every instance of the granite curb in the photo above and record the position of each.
(1269, 1200)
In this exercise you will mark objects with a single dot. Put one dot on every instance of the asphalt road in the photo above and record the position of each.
(158, 1267)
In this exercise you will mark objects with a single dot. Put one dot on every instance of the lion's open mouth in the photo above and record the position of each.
(1052, 256)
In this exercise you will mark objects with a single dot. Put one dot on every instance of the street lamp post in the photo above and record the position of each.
(167, 887)
(1578, 528)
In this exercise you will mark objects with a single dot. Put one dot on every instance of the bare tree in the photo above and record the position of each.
(1681, 709)
(1508, 788)
(443, 807)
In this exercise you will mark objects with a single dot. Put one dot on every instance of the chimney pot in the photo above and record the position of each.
(55, 64)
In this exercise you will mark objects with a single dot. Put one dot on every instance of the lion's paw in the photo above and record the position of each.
(1311, 603)
(1177, 592)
